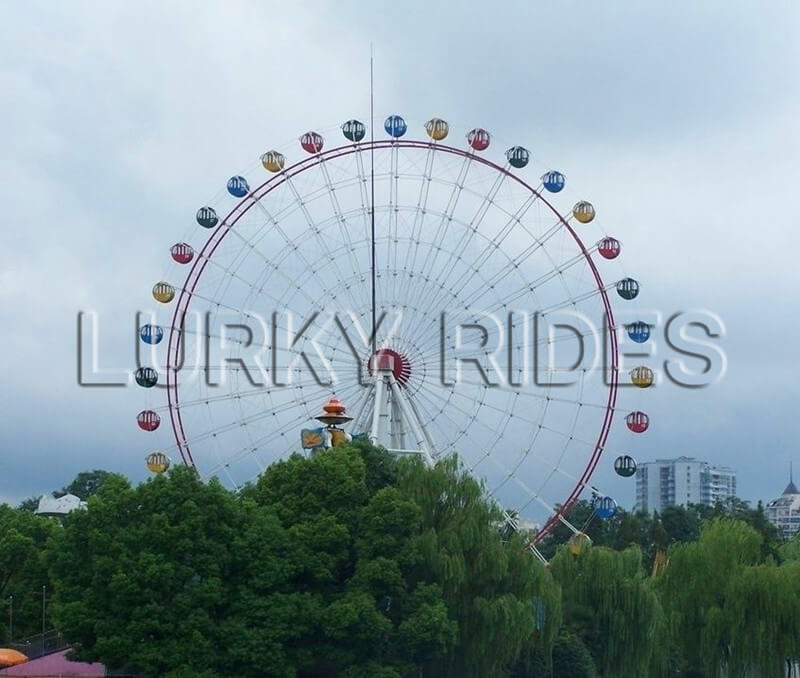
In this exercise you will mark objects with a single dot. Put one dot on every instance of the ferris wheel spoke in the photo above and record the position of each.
(445, 439)
(432, 254)
(251, 248)
(573, 301)
(487, 285)
(263, 441)
(421, 210)
(557, 465)
(495, 244)
(394, 215)
(322, 242)
(467, 234)
(254, 286)
(532, 494)
(235, 395)
(538, 245)
(343, 230)
(538, 427)
(431, 395)
(247, 314)
(293, 248)
(456, 233)
(288, 406)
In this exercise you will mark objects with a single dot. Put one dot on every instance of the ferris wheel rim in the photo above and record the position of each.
(252, 198)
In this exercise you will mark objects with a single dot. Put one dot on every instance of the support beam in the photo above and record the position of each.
(420, 438)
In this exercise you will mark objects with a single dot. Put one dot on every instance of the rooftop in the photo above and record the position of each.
(55, 664)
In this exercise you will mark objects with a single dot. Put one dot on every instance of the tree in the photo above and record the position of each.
(762, 614)
(86, 484)
(345, 563)
(694, 589)
(571, 659)
(29, 505)
(141, 575)
(610, 605)
(23, 568)
(492, 587)
(83, 486)
(680, 523)
(790, 550)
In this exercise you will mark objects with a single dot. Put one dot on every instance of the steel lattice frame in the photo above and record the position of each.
(227, 225)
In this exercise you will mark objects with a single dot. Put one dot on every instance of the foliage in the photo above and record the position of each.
(341, 564)
(83, 486)
(86, 484)
(353, 564)
(790, 550)
(23, 569)
(141, 576)
(571, 659)
(729, 612)
(763, 614)
(612, 608)
(491, 586)
(657, 531)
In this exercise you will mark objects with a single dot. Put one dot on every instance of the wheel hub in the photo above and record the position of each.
(388, 359)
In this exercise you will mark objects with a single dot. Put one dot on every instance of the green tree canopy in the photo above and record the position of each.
(610, 605)
(345, 563)
(722, 605)
(23, 569)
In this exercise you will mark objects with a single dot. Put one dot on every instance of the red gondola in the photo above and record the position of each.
(312, 142)
(479, 139)
(609, 248)
(148, 420)
(637, 421)
(182, 253)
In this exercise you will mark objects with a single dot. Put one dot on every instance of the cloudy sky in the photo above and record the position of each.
(678, 119)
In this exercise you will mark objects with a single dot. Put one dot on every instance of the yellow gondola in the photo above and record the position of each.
(273, 161)
(163, 292)
(578, 542)
(583, 211)
(642, 376)
(157, 462)
(437, 128)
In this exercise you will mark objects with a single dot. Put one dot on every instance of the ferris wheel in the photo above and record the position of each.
(431, 296)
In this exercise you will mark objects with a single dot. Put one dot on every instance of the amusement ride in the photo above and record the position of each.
(428, 292)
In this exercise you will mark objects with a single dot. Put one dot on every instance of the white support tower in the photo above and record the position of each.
(395, 420)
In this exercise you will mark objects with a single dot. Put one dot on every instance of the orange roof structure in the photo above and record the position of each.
(11, 657)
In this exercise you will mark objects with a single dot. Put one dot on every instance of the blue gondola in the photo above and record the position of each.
(395, 126)
(605, 507)
(151, 334)
(553, 181)
(238, 187)
(638, 331)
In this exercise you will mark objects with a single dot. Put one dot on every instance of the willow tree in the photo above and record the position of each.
(505, 602)
(790, 550)
(762, 617)
(695, 591)
(610, 604)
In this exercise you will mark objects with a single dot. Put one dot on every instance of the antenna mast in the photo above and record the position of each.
(372, 190)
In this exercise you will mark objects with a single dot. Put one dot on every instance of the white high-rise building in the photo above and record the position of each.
(784, 512)
(682, 481)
